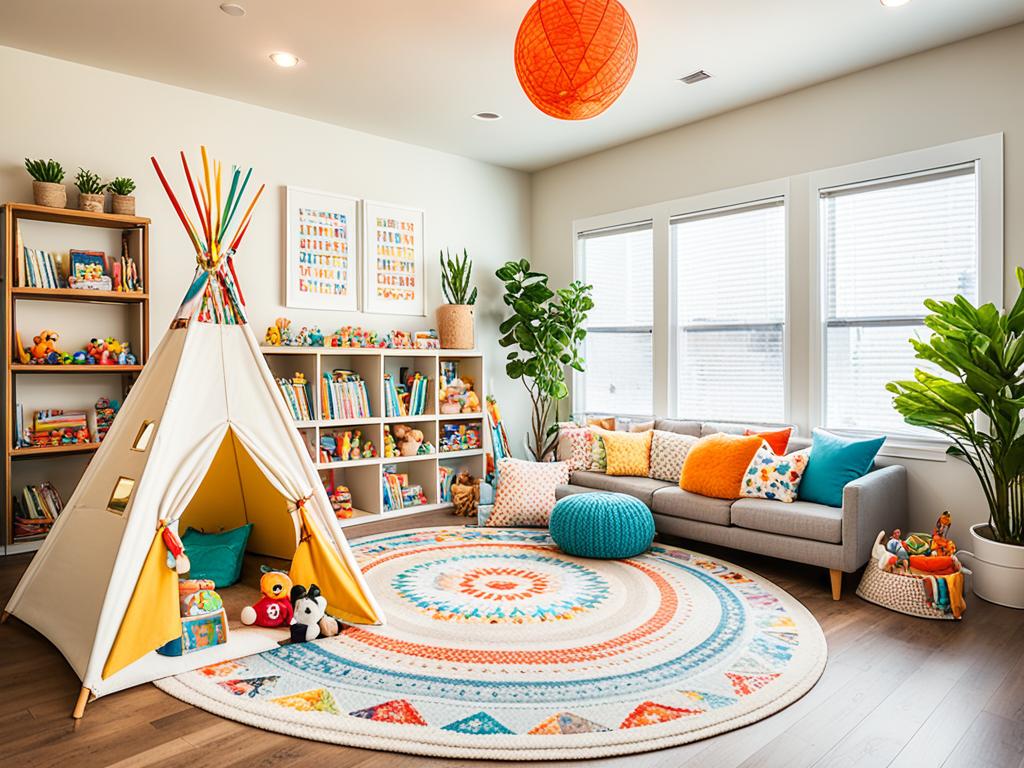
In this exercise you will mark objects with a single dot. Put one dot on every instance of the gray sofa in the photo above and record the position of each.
(837, 539)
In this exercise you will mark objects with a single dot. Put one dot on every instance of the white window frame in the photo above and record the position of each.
(580, 272)
(986, 153)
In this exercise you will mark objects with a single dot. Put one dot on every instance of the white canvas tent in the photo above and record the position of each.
(223, 451)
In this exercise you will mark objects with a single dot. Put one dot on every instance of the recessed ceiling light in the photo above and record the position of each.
(232, 9)
(487, 116)
(893, 3)
(695, 77)
(283, 59)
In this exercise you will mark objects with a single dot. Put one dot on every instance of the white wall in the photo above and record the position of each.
(960, 91)
(112, 123)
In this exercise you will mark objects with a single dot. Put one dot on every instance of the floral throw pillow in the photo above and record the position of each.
(668, 452)
(770, 476)
(574, 446)
(598, 454)
(526, 492)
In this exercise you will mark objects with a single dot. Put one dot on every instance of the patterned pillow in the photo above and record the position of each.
(668, 452)
(629, 453)
(598, 454)
(526, 492)
(771, 476)
(574, 447)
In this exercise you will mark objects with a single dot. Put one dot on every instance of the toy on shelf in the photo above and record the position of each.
(398, 492)
(456, 393)
(346, 446)
(106, 410)
(460, 437)
(465, 494)
(390, 447)
(310, 619)
(919, 575)
(406, 440)
(44, 350)
(426, 340)
(278, 333)
(348, 337)
(274, 608)
(107, 351)
(341, 502)
(55, 427)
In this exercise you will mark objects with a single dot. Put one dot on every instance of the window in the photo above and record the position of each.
(730, 307)
(618, 350)
(887, 245)
(121, 495)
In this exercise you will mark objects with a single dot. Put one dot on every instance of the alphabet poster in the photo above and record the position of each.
(322, 252)
(393, 259)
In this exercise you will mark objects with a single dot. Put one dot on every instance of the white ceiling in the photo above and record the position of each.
(417, 70)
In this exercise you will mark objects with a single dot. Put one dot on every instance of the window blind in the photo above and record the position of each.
(618, 349)
(886, 247)
(730, 307)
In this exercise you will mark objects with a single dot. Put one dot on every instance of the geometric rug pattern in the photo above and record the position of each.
(498, 645)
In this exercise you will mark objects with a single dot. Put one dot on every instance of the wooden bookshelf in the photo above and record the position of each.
(363, 477)
(65, 462)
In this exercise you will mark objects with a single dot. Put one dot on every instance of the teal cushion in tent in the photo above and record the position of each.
(216, 556)
(835, 461)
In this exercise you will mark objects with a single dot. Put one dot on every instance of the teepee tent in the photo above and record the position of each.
(203, 439)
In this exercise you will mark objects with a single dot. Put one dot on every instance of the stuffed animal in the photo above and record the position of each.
(310, 619)
(273, 336)
(895, 547)
(44, 349)
(274, 608)
(465, 494)
(407, 439)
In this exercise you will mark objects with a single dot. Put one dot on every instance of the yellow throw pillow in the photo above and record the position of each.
(629, 453)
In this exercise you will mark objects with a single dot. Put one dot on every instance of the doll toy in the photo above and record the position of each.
(274, 608)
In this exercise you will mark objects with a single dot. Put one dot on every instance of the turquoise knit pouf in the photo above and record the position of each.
(609, 526)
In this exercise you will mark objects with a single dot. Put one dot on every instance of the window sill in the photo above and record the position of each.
(903, 446)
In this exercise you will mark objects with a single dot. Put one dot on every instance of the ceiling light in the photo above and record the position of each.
(695, 77)
(283, 59)
(487, 116)
(232, 9)
(893, 3)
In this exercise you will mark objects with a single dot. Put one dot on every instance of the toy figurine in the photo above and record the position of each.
(44, 351)
(316, 337)
(273, 337)
(341, 502)
(369, 450)
(390, 448)
(354, 451)
(895, 547)
(941, 546)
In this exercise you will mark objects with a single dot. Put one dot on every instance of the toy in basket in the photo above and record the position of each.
(919, 575)
(203, 621)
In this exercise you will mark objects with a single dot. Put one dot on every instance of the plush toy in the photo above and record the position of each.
(895, 547)
(407, 439)
(465, 494)
(273, 336)
(176, 557)
(44, 350)
(310, 619)
(274, 608)
(315, 337)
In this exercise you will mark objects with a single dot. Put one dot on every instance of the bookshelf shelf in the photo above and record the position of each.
(364, 477)
(72, 310)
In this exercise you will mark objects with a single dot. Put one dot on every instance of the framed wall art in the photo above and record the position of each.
(393, 265)
(322, 250)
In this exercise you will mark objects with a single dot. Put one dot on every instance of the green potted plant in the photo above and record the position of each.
(455, 319)
(47, 182)
(977, 405)
(121, 199)
(546, 332)
(90, 191)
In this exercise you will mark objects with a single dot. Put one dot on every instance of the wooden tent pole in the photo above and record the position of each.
(3, 617)
(83, 699)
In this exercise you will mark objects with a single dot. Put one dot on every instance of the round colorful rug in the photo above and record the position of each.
(498, 645)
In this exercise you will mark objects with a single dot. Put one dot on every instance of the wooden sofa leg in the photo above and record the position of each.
(837, 582)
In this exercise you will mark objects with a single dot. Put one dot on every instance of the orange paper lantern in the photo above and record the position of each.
(575, 57)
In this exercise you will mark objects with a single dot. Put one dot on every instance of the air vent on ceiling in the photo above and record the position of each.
(695, 77)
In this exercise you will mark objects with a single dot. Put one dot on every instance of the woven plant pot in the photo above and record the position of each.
(49, 194)
(455, 326)
(123, 205)
(93, 203)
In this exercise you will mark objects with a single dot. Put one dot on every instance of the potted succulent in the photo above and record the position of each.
(47, 182)
(90, 191)
(546, 330)
(455, 319)
(121, 199)
(978, 405)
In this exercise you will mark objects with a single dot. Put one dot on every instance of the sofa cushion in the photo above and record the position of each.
(800, 519)
(716, 464)
(629, 453)
(668, 452)
(676, 502)
(836, 461)
(677, 426)
(526, 492)
(640, 487)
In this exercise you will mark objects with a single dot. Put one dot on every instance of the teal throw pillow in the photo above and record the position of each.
(216, 556)
(835, 461)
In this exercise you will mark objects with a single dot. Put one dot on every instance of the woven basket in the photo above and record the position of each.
(900, 593)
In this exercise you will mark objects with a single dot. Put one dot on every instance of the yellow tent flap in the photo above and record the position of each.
(152, 618)
(316, 562)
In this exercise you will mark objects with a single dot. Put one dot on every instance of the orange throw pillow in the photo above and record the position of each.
(605, 423)
(778, 441)
(715, 465)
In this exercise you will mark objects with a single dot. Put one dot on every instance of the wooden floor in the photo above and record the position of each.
(897, 691)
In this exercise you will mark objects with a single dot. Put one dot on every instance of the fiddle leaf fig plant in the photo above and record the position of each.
(546, 332)
(982, 352)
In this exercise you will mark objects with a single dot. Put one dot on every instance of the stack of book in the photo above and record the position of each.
(296, 393)
(36, 511)
(40, 269)
(398, 493)
(343, 396)
(408, 399)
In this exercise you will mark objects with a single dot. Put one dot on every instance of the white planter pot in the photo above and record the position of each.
(998, 569)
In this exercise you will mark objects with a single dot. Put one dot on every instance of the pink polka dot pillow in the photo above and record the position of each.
(526, 492)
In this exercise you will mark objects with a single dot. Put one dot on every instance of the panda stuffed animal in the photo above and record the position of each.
(309, 615)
